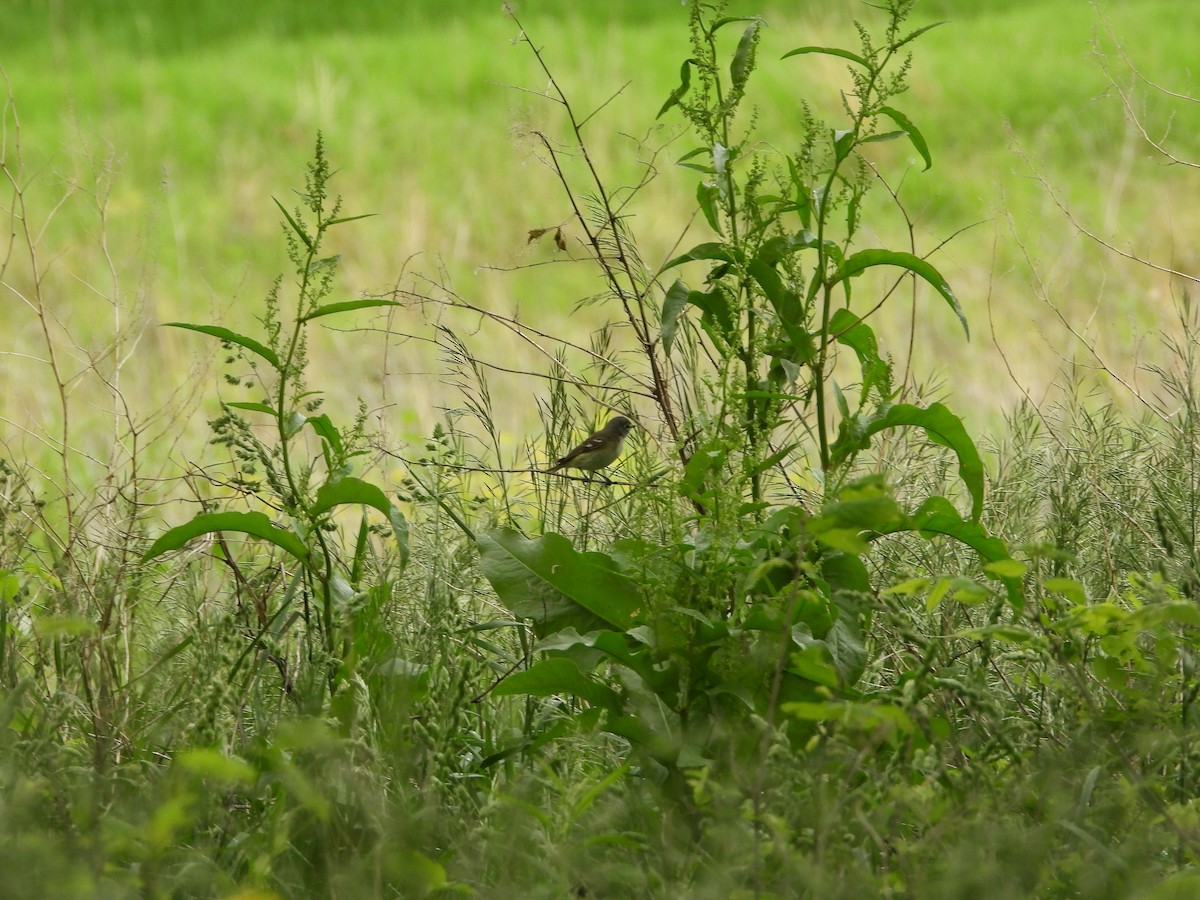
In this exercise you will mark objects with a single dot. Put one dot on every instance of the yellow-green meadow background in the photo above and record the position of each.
(153, 136)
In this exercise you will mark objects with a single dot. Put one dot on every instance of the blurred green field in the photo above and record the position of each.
(168, 130)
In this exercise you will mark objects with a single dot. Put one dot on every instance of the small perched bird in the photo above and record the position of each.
(599, 450)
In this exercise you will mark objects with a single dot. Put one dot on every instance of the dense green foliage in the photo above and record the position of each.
(800, 641)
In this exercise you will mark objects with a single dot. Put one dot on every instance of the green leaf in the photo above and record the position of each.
(858, 716)
(1007, 568)
(685, 79)
(330, 308)
(295, 226)
(208, 762)
(325, 262)
(345, 219)
(706, 196)
(914, 134)
(882, 137)
(739, 69)
(49, 627)
(255, 407)
(620, 647)
(787, 306)
(323, 426)
(696, 483)
(940, 425)
(1012, 634)
(859, 510)
(350, 490)
(916, 34)
(843, 143)
(255, 524)
(938, 516)
(864, 259)
(673, 304)
(908, 588)
(543, 578)
(815, 664)
(728, 20)
(829, 51)
(717, 317)
(399, 525)
(1069, 588)
(232, 337)
(848, 329)
(707, 250)
(558, 675)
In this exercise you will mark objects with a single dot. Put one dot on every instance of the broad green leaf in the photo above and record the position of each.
(848, 580)
(967, 590)
(1183, 612)
(848, 329)
(1068, 587)
(1007, 568)
(293, 422)
(330, 308)
(53, 627)
(558, 675)
(739, 69)
(208, 762)
(788, 309)
(350, 490)
(232, 337)
(323, 426)
(685, 79)
(829, 51)
(1013, 634)
(697, 483)
(707, 250)
(673, 304)
(845, 642)
(864, 716)
(864, 259)
(815, 664)
(908, 588)
(255, 524)
(860, 510)
(941, 426)
(941, 587)
(619, 646)
(938, 516)
(706, 195)
(10, 586)
(914, 134)
(717, 316)
(720, 158)
(520, 569)
(843, 143)
(775, 248)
